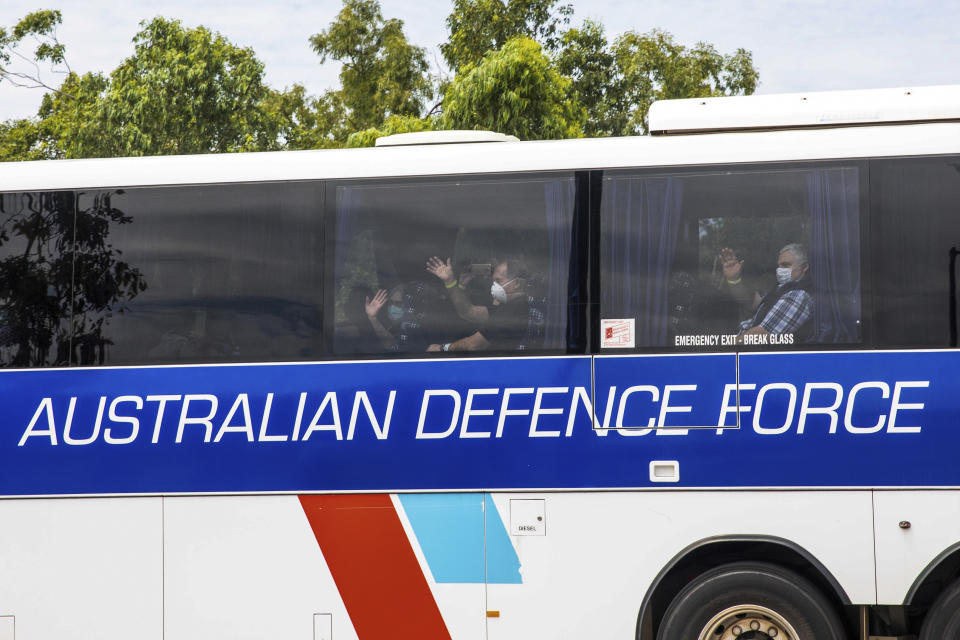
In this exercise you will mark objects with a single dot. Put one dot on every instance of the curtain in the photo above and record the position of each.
(640, 218)
(347, 209)
(559, 196)
(834, 202)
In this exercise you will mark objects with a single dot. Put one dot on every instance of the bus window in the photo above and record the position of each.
(456, 265)
(36, 236)
(225, 273)
(724, 260)
(916, 222)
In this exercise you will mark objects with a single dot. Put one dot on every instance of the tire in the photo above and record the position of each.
(742, 594)
(943, 619)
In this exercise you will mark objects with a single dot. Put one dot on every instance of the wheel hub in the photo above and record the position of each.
(748, 622)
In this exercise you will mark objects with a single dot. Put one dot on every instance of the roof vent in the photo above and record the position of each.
(804, 110)
(443, 137)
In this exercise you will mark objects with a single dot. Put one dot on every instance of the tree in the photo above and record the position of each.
(301, 121)
(382, 73)
(23, 71)
(653, 67)
(515, 91)
(71, 122)
(585, 58)
(185, 91)
(477, 27)
(20, 140)
(393, 125)
(518, 70)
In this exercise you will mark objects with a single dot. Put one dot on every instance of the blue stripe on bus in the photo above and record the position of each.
(451, 527)
(828, 419)
(503, 565)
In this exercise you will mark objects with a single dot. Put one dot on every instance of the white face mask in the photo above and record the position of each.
(498, 292)
(784, 275)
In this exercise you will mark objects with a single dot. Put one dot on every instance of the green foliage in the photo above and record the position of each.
(300, 121)
(42, 25)
(515, 91)
(477, 27)
(20, 140)
(392, 125)
(382, 73)
(41, 28)
(185, 91)
(518, 70)
(653, 67)
(70, 120)
(585, 58)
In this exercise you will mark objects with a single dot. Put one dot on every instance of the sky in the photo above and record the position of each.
(798, 46)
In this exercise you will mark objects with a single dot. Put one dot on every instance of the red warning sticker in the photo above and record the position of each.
(617, 334)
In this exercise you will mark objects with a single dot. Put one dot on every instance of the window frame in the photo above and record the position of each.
(317, 209)
(877, 246)
(865, 235)
(578, 293)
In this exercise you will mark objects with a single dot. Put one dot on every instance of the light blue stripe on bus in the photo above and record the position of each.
(503, 565)
(450, 530)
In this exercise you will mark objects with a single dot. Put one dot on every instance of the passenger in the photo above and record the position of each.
(735, 285)
(501, 322)
(374, 321)
(788, 309)
(393, 314)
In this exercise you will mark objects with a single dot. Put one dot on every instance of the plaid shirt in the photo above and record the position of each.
(787, 315)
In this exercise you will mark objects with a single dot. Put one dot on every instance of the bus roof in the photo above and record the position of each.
(814, 109)
(480, 158)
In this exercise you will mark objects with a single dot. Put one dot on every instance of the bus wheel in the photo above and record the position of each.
(750, 601)
(943, 619)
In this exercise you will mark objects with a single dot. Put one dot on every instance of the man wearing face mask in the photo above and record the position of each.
(502, 322)
(788, 309)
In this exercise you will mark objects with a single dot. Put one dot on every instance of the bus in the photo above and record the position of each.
(695, 385)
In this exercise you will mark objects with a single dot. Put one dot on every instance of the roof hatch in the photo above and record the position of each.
(456, 136)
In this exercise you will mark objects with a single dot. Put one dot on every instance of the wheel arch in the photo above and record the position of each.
(935, 577)
(718, 550)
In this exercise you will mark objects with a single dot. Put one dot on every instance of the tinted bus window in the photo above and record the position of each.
(719, 260)
(454, 265)
(228, 273)
(36, 259)
(916, 221)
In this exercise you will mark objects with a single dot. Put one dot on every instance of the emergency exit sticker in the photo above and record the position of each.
(617, 334)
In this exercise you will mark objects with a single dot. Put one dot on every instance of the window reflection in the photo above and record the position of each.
(44, 239)
(914, 205)
(228, 273)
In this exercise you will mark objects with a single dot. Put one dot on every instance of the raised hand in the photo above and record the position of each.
(732, 266)
(441, 269)
(372, 307)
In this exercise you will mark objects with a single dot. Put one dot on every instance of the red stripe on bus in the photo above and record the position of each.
(374, 567)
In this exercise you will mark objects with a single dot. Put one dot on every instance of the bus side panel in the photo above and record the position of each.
(903, 553)
(353, 564)
(86, 568)
(599, 553)
(245, 567)
(446, 533)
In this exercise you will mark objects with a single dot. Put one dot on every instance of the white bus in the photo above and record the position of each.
(699, 385)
